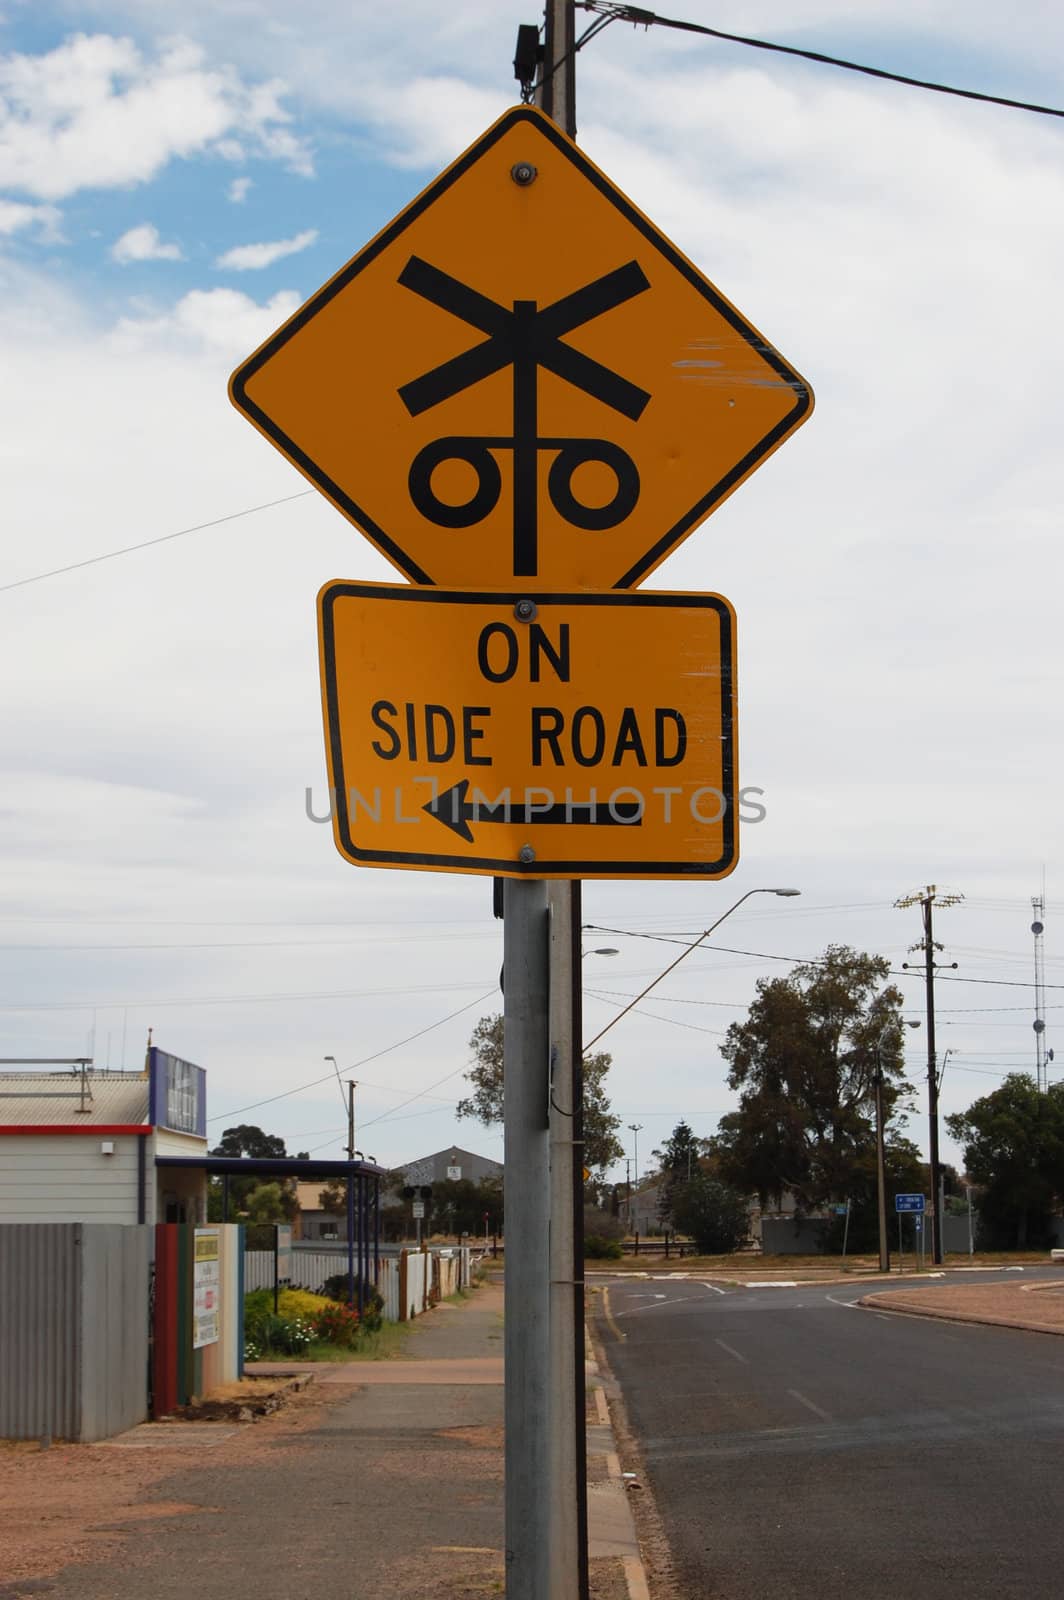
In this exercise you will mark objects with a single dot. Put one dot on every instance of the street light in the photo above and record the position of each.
(351, 1087)
(636, 1129)
(607, 951)
(881, 1165)
(787, 893)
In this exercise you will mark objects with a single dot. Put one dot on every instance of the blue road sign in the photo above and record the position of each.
(908, 1202)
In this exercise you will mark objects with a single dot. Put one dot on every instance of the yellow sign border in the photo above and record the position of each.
(342, 782)
(389, 540)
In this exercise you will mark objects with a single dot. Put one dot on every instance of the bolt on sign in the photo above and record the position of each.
(521, 379)
(566, 735)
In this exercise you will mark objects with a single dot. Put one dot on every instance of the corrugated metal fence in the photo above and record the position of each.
(73, 1329)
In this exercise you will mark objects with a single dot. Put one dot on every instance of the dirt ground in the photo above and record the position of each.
(65, 1504)
(72, 1504)
(1038, 1306)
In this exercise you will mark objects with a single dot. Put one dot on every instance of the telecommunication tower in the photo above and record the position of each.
(1038, 905)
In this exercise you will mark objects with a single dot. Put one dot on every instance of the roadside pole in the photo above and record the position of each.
(881, 1183)
(526, 1160)
(567, 1399)
(386, 304)
(568, 1479)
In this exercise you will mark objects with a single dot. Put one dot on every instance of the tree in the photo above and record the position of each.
(1013, 1141)
(804, 1061)
(601, 1145)
(270, 1202)
(244, 1201)
(247, 1140)
(678, 1163)
(904, 1173)
(716, 1216)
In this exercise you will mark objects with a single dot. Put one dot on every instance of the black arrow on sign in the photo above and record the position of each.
(456, 812)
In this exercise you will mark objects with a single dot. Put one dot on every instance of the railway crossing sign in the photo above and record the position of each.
(566, 736)
(521, 379)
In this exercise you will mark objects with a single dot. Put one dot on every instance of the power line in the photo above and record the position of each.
(807, 961)
(313, 1084)
(640, 19)
(232, 999)
(146, 544)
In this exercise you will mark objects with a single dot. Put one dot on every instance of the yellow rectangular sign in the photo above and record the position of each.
(546, 736)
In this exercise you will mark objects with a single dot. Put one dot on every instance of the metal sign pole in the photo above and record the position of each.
(566, 1485)
(568, 1474)
(526, 1160)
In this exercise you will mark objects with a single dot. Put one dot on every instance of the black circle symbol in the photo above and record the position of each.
(560, 484)
(428, 502)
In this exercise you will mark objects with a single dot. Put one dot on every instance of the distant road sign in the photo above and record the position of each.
(587, 735)
(522, 378)
(908, 1202)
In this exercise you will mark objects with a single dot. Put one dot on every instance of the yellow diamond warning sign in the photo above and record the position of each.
(561, 735)
(522, 378)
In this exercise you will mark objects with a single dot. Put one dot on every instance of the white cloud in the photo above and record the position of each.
(16, 215)
(253, 257)
(898, 672)
(97, 113)
(221, 320)
(144, 244)
(238, 190)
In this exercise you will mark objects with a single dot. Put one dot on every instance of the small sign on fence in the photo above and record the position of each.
(206, 1288)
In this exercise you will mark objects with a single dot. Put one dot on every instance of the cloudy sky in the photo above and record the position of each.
(174, 180)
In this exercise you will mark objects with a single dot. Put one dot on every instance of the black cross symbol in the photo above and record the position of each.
(524, 338)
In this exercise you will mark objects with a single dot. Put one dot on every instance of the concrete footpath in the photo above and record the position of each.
(379, 1478)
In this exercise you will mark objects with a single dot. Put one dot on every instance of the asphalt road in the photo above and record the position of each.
(803, 1448)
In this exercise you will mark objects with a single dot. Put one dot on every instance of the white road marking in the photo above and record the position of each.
(712, 1286)
(659, 1303)
(818, 1411)
(789, 1283)
(732, 1352)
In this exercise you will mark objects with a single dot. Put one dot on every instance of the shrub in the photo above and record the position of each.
(602, 1224)
(271, 1334)
(301, 1303)
(337, 1325)
(713, 1214)
(335, 1288)
(596, 1248)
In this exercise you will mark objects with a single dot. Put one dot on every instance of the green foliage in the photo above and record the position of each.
(333, 1198)
(601, 1145)
(247, 1140)
(245, 1203)
(804, 1061)
(458, 1205)
(335, 1288)
(339, 1325)
(596, 1248)
(904, 1172)
(300, 1303)
(678, 1161)
(270, 1333)
(715, 1216)
(268, 1202)
(1013, 1141)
